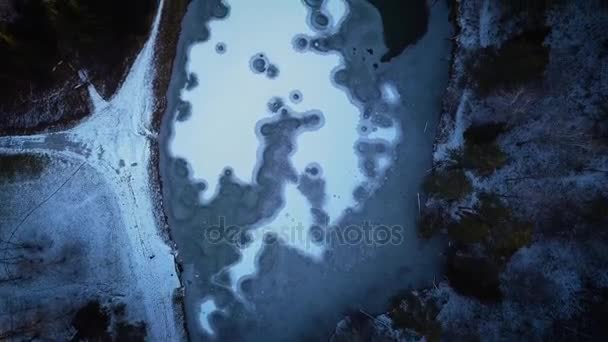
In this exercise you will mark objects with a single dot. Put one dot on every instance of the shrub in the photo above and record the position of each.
(475, 277)
(520, 60)
(515, 236)
(454, 158)
(493, 227)
(7, 39)
(484, 133)
(597, 211)
(492, 209)
(483, 158)
(412, 312)
(430, 223)
(481, 153)
(507, 234)
(600, 124)
(21, 165)
(451, 185)
(470, 229)
(131, 332)
(91, 323)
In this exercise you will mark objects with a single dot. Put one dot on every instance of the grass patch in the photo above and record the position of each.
(449, 184)
(24, 166)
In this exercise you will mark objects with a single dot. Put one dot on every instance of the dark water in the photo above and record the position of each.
(291, 296)
(403, 22)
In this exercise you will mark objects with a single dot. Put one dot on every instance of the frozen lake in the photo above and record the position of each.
(292, 156)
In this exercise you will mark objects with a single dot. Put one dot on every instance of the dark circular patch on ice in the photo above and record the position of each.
(295, 96)
(363, 147)
(270, 238)
(320, 44)
(220, 48)
(312, 120)
(360, 194)
(317, 234)
(266, 129)
(258, 64)
(313, 170)
(246, 285)
(201, 186)
(300, 43)
(369, 168)
(221, 10)
(228, 172)
(320, 20)
(363, 129)
(244, 240)
(275, 104)
(272, 71)
(371, 149)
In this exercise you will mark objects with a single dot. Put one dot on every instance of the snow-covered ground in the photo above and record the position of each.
(114, 147)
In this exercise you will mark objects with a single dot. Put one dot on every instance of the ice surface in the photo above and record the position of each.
(221, 132)
(232, 97)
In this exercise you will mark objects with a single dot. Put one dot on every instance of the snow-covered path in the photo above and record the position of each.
(116, 141)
